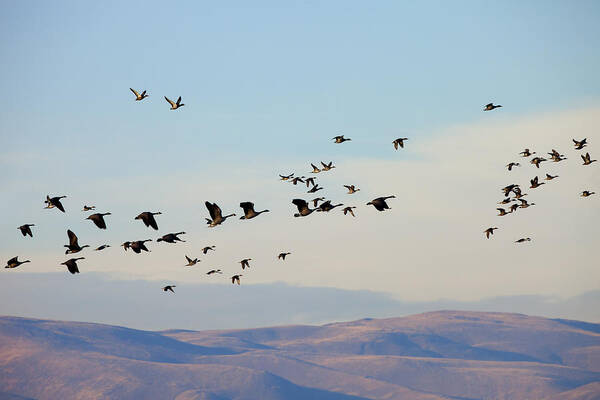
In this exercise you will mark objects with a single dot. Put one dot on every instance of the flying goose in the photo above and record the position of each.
(380, 203)
(316, 200)
(245, 263)
(139, 245)
(126, 245)
(169, 288)
(587, 193)
(502, 212)
(236, 278)
(489, 231)
(526, 153)
(518, 193)
(314, 189)
(147, 218)
(587, 159)
(534, 183)
(191, 262)
(14, 262)
(309, 181)
(351, 189)
(207, 248)
(175, 106)
(88, 208)
(98, 219)
(315, 170)
(525, 204)
(506, 201)
(282, 256)
(491, 106)
(73, 246)
(327, 206)
(303, 209)
(214, 271)
(399, 142)
(52, 202)
(249, 211)
(340, 139)
(286, 177)
(71, 264)
(216, 214)
(348, 210)
(138, 96)
(537, 160)
(104, 246)
(580, 144)
(513, 207)
(26, 229)
(512, 164)
(550, 177)
(522, 240)
(327, 167)
(171, 237)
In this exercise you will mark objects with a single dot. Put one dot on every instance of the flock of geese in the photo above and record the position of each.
(515, 190)
(319, 204)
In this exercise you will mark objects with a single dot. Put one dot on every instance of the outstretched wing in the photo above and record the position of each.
(72, 238)
(12, 260)
(301, 204)
(247, 206)
(134, 92)
(170, 102)
(179, 100)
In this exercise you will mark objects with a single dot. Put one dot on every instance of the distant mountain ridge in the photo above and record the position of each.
(431, 356)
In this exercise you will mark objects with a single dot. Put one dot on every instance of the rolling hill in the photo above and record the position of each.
(431, 356)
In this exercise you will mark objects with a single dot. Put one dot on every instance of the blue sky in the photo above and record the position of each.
(266, 86)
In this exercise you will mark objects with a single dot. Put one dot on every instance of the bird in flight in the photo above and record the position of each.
(380, 203)
(175, 106)
(327, 206)
(104, 246)
(138, 96)
(88, 208)
(587, 159)
(286, 177)
(489, 231)
(351, 189)
(399, 142)
(26, 229)
(216, 214)
(214, 271)
(315, 170)
(550, 177)
(169, 288)
(236, 278)
(52, 202)
(14, 262)
(98, 219)
(537, 160)
(580, 144)
(147, 218)
(587, 193)
(71, 264)
(73, 246)
(526, 153)
(249, 211)
(138, 246)
(282, 256)
(191, 262)
(491, 106)
(340, 139)
(171, 237)
(348, 210)
(534, 183)
(302, 206)
(523, 240)
(207, 248)
(327, 167)
(245, 263)
(512, 164)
